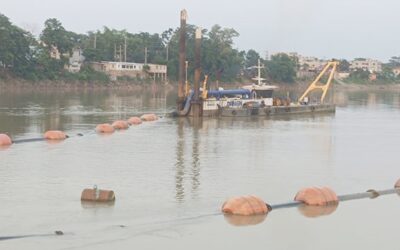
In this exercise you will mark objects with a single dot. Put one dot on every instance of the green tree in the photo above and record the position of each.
(55, 35)
(252, 57)
(359, 75)
(15, 48)
(344, 65)
(281, 68)
(394, 62)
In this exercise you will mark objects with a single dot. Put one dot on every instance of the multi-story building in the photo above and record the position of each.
(306, 63)
(371, 65)
(129, 69)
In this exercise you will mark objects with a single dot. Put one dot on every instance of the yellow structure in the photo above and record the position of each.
(315, 85)
(205, 92)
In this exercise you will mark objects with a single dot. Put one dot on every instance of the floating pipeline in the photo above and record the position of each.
(56, 135)
(56, 233)
(135, 120)
(311, 202)
(120, 125)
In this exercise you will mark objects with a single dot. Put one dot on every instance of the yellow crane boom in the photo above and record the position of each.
(315, 86)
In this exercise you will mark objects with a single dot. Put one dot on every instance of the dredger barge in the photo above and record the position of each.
(257, 100)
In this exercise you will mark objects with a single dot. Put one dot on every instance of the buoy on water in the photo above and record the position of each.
(245, 205)
(134, 120)
(97, 195)
(120, 124)
(397, 184)
(55, 135)
(316, 196)
(149, 117)
(105, 128)
(5, 140)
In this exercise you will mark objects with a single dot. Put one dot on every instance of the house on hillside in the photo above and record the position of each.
(371, 65)
(76, 60)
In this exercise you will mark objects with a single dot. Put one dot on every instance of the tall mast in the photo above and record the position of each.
(258, 78)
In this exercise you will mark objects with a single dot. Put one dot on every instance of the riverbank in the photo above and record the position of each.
(20, 84)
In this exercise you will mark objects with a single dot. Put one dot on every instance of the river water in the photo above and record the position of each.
(172, 176)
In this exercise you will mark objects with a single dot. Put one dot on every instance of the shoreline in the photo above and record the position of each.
(17, 84)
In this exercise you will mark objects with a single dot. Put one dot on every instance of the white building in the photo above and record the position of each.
(371, 65)
(306, 63)
(138, 70)
(76, 60)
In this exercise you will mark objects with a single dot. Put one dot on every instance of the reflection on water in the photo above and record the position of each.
(167, 171)
(32, 112)
(181, 165)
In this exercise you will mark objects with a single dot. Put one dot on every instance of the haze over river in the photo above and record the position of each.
(172, 176)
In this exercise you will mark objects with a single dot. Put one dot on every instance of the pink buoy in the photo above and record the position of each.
(149, 117)
(134, 120)
(5, 140)
(55, 135)
(245, 205)
(120, 124)
(105, 128)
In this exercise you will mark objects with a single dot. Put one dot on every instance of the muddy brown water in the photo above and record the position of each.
(171, 176)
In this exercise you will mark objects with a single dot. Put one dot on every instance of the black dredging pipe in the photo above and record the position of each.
(372, 194)
(311, 198)
(58, 233)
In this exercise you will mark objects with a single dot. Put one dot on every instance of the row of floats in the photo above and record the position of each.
(108, 128)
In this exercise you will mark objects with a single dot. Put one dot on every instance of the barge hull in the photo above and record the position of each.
(277, 110)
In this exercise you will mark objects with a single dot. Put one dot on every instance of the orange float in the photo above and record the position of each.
(245, 205)
(105, 128)
(149, 117)
(316, 196)
(97, 195)
(5, 140)
(120, 124)
(55, 135)
(134, 120)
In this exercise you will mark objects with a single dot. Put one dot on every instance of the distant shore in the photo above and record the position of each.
(18, 84)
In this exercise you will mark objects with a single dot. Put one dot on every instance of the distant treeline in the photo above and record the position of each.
(24, 56)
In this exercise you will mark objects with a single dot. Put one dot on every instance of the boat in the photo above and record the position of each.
(257, 99)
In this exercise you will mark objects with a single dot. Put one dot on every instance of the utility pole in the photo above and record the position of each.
(145, 55)
(167, 51)
(120, 53)
(115, 52)
(95, 41)
(125, 49)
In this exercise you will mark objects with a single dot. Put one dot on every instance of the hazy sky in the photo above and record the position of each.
(335, 28)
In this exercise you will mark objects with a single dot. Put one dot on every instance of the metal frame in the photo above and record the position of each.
(314, 85)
